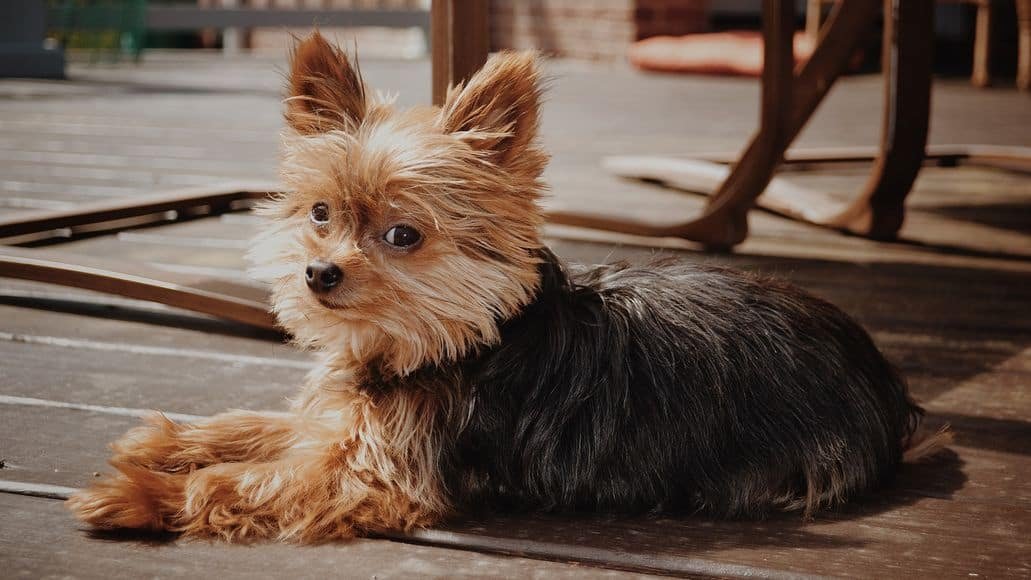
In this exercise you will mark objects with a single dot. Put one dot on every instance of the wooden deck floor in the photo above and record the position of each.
(950, 304)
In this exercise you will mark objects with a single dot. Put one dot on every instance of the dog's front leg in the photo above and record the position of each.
(153, 462)
(311, 493)
(161, 444)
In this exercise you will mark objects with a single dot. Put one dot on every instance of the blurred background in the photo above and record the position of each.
(136, 135)
(593, 30)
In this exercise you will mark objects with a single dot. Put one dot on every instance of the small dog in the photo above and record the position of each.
(463, 365)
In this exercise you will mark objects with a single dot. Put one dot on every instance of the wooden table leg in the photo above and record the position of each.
(460, 42)
(879, 210)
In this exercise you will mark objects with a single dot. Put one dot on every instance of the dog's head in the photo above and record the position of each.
(404, 235)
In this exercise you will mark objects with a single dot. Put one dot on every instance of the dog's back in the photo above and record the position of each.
(681, 387)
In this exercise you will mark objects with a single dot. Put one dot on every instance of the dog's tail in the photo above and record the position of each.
(924, 445)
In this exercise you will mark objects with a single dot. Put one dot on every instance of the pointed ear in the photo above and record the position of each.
(325, 90)
(498, 111)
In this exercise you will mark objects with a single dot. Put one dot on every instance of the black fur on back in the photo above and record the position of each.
(677, 387)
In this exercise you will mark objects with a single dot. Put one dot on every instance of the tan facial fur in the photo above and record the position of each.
(347, 461)
(465, 176)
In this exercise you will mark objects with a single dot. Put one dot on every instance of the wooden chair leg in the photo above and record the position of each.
(879, 210)
(1024, 45)
(981, 75)
(724, 221)
(459, 44)
(786, 109)
(813, 18)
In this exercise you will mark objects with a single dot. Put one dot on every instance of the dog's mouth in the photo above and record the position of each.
(331, 305)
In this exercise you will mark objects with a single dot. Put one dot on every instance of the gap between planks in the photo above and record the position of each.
(122, 347)
(504, 546)
(102, 409)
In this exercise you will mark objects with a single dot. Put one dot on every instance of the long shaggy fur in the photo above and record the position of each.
(473, 369)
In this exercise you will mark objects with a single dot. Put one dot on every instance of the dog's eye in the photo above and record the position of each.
(319, 214)
(402, 236)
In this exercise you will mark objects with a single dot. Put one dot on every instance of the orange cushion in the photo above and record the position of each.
(718, 53)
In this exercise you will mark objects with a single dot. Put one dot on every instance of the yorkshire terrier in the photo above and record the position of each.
(462, 365)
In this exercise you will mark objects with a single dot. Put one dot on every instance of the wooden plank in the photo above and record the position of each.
(924, 349)
(77, 190)
(928, 538)
(29, 523)
(64, 148)
(150, 248)
(172, 378)
(14, 203)
(169, 132)
(57, 446)
(236, 227)
(44, 445)
(921, 524)
(233, 168)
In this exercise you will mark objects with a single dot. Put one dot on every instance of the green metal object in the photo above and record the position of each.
(111, 27)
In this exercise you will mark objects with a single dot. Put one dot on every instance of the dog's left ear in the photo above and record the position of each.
(498, 111)
(325, 89)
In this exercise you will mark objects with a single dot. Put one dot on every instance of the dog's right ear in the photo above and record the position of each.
(325, 90)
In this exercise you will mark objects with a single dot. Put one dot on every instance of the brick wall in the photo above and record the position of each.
(583, 29)
(590, 29)
(372, 42)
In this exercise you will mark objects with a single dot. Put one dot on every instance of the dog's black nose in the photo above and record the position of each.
(321, 275)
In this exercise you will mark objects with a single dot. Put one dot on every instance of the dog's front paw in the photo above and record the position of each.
(135, 498)
(156, 445)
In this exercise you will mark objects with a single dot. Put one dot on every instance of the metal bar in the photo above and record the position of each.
(216, 199)
(43, 266)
